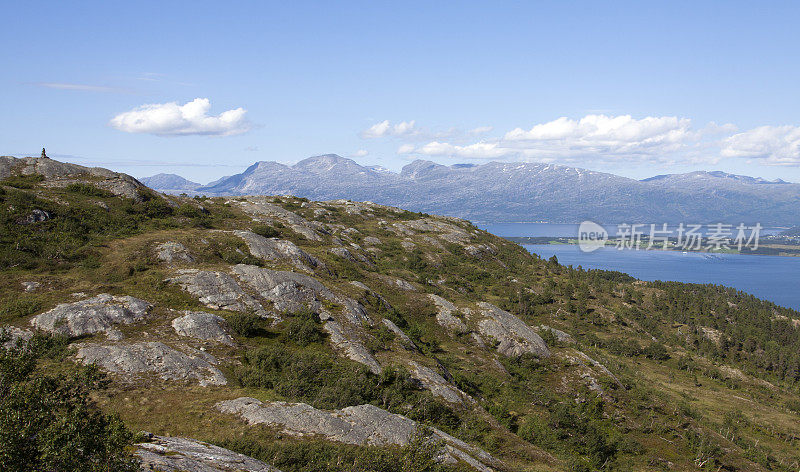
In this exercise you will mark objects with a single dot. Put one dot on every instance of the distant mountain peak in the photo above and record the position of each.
(171, 182)
(525, 191)
(714, 174)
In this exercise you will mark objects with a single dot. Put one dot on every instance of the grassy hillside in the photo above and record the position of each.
(642, 376)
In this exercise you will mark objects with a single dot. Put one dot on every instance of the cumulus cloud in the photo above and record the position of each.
(172, 119)
(609, 134)
(776, 145)
(482, 150)
(595, 136)
(406, 149)
(361, 153)
(385, 128)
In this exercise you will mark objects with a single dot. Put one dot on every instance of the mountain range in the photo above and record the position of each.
(516, 192)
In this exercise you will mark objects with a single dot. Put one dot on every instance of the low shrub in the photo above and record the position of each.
(88, 190)
(246, 324)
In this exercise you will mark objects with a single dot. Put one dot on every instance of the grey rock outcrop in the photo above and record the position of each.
(445, 316)
(61, 174)
(446, 231)
(93, 315)
(437, 384)
(203, 326)
(352, 256)
(372, 241)
(35, 216)
(288, 291)
(30, 286)
(259, 207)
(14, 335)
(351, 346)
(188, 455)
(133, 360)
(513, 336)
(272, 249)
(560, 336)
(216, 290)
(405, 341)
(360, 425)
(404, 285)
(172, 251)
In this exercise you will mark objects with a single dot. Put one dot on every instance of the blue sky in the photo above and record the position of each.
(635, 88)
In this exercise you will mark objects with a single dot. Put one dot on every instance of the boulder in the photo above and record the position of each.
(93, 315)
(513, 336)
(132, 360)
(35, 216)
(171, 252)
(364, 425)
(272, 249)
(30, 286)
(203, 326)
(188, 455)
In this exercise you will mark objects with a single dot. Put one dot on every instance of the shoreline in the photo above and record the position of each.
(763, 250)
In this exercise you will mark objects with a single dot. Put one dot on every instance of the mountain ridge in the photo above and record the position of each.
(510, 192)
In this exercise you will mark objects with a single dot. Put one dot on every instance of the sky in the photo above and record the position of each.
(204, 89)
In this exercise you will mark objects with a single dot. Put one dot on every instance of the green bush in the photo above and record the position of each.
(50, 423)
(303, 328)
(322, 456)
(324, 380)
(88, 190)
(23, 181)
(21, 306)
(266, 231)
(246, 324)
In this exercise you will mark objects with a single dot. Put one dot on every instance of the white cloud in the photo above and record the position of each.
(482, 150)
(361, 153)
(776, 145)
(385, 128)
(599, 137)
(172, 119)
(405, 149)
(609, 134)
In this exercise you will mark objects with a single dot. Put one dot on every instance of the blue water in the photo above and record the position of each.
(769, 277)
(559, 230)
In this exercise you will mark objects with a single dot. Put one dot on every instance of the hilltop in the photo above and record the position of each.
(265, 333)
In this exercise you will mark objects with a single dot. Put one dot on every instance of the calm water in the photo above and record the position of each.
(769, 277)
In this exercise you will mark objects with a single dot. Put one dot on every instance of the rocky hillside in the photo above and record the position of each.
(498, 192)
(261, 333)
